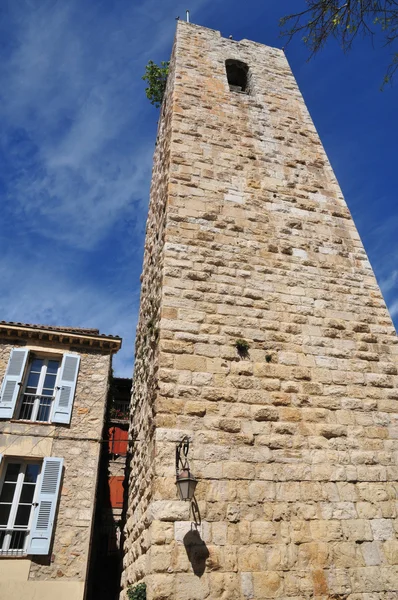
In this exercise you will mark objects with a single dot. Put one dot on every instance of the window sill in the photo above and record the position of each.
(27, 421)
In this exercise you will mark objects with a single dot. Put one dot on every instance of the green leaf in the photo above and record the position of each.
(137, 592)
(156, 77)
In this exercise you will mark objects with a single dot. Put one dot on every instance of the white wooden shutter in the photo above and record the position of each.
(13, 377)
(66, 389)
(47, 499)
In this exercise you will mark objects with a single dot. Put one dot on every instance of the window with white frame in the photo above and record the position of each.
(29, 491)
(17, 498)
(39, 388)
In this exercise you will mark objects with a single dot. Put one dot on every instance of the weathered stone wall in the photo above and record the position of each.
(79, 445)
(145, 382)
(295, 444)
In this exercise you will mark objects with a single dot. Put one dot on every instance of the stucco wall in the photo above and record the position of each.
(14, 584)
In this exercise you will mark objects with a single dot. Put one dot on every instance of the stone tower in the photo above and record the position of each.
(294, 441)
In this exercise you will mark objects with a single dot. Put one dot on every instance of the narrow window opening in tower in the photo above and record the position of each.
(237, 75)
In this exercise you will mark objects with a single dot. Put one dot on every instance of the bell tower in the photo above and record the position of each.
(264, 339)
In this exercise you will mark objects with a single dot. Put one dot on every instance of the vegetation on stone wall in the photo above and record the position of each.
(242, 347)
(138, 592)
(156, 77)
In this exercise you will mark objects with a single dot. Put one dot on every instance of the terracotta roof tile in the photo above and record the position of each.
(58, 328)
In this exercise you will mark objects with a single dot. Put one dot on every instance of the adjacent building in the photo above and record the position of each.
(263, 337)
(107, 557)
(53, 398)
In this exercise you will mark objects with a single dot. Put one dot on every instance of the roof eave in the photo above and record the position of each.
(104, 342)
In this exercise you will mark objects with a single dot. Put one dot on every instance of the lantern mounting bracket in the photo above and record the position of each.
(182, 450)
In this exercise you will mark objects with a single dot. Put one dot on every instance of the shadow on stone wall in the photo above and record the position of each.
(197, 551)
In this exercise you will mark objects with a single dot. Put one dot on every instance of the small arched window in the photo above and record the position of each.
(237, 75)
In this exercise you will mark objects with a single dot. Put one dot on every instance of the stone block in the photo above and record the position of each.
(190, 362)
(237, 470)
(367, 580)
(247, 587)
(267, 584)
(252, 558)
(161, 586)
(169, 510)
(263, 532)
(382, 529)
(357, 530)
(230, 425)
(219, 533)
(371, 553)
(326, 530)
(266, 414)
(314, 555)
(189, 587)
(390, 551)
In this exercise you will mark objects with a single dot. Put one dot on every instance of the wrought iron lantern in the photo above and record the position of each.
(185, 481)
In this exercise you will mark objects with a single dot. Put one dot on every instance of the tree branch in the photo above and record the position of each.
(344, 20)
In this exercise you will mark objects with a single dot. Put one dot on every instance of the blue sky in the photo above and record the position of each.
(77, 137)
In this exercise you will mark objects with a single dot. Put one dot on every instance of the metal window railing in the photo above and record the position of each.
(35, 408)
(119, 410)
(13, 542)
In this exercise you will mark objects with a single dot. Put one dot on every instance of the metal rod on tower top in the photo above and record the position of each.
(187, 16)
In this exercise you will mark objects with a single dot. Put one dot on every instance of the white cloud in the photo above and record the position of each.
(71, 82)
(393, 308)
(70, 96)
(389, 282)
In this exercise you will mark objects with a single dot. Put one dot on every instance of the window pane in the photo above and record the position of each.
(53, 366)
(12, 471)
(31, 473)
(49, 382)
(28, 490)
(43, 414)
(36, 365)
(23, 514)
(4, 513)
(33, 380)
(7, 493)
